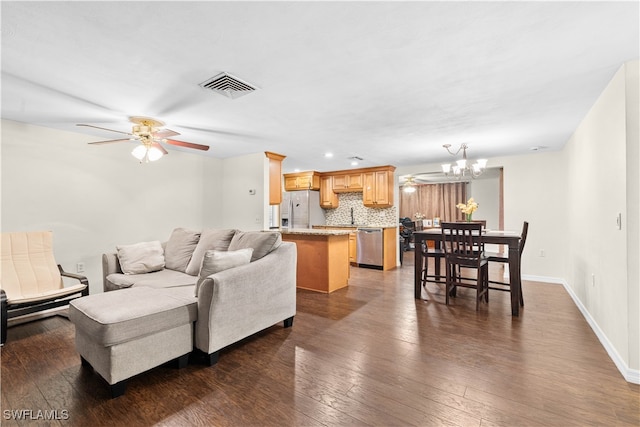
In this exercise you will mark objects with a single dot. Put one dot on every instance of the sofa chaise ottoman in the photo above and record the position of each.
(199, 291)
(122, 334)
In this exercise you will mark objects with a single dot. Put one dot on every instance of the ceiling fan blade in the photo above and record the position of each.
(187, 144)
(111, 141)
(164, 133)
(221, 132)
(160, 147)
(98, 127)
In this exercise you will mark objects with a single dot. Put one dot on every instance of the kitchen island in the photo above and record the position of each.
(323, 258)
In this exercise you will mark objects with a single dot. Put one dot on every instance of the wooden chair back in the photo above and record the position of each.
(460, 241)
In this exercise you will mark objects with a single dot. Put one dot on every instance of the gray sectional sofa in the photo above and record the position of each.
(201, 290)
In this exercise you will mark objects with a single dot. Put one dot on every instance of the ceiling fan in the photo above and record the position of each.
(150, 133)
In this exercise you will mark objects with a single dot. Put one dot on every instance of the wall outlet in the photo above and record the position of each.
(542, 253)
(593, 280)
(80, 267)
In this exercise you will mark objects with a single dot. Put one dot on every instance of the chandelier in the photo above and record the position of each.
(462, 167)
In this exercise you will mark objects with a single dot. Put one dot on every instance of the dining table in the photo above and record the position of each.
(511, 239)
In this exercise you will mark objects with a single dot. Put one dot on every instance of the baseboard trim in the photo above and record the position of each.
(630, 375)
(543, 279)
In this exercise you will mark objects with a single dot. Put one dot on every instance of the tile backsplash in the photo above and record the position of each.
(362, 215)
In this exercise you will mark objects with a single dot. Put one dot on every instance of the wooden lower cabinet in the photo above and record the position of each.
(353, 248)
(323, 264)
(390, 242)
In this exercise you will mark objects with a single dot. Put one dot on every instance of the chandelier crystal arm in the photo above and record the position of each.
(462, 167)
(462, 147)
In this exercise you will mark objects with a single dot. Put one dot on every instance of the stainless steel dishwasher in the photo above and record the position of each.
(370, 247)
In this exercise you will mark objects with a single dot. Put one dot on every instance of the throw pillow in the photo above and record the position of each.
(210, 239)
(179, 249)
(139, 258)
(217, 261)
(262, 242)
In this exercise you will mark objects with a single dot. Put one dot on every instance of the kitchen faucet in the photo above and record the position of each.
(352, 221)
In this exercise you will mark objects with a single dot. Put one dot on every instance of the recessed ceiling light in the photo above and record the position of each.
(354, 163)
(296, 170)
(328, 155)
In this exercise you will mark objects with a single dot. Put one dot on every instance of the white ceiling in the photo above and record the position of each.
(390, 82)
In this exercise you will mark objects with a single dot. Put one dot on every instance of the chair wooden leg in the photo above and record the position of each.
(486, 284)
(448, 284)
(479, 288)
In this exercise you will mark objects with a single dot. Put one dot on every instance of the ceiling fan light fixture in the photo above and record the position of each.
(139, 152)
(146, 154)
(154, 154)
(409, 186)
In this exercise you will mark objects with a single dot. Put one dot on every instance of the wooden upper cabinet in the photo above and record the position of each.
(302, 181)
(348, 182)
(328, 198)
(377, 191)
(275, 177)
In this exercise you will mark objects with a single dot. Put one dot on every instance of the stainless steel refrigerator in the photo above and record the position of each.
(301, 209)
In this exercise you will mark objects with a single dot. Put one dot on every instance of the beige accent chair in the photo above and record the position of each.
(30, 279)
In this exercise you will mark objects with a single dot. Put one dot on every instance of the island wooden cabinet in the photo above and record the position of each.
(328, 198)
(322, 263)
(347, 182)
(353, 242)
(378, 189)
(302, 181)
(353, 248)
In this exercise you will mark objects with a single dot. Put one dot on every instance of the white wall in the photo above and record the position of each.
(597, 248)
(96, 197)
(212, 179)
(487, 190)
(633, 208)
(93, 197)
(239, 208)
(603, 160)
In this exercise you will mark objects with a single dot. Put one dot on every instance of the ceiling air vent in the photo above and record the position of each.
(228, 85)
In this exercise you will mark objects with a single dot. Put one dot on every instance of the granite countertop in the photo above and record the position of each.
(359, 226)
(314, 231)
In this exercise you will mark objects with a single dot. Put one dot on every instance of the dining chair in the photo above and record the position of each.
(503, 257)
(437, 254)
(462, 249)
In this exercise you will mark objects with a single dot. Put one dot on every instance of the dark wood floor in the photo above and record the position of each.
(366, 355)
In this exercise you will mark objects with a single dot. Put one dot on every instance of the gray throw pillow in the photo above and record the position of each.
(210, 239)
(217, 261)
(179, 249)
(262, 242)
(143, 257)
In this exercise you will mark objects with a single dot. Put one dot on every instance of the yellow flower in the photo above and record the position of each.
(468, 208)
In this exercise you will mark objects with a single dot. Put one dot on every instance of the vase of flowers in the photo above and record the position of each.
(468, 208)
